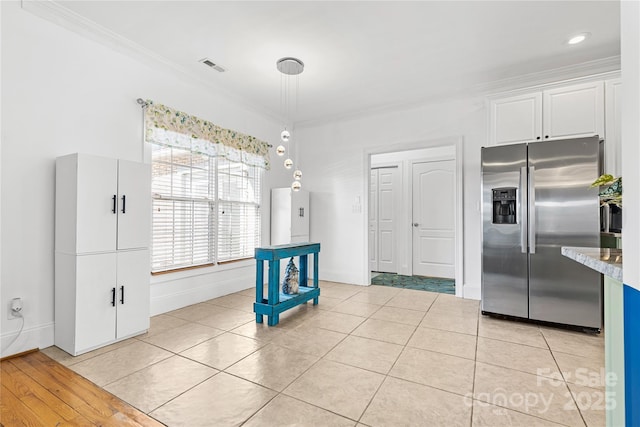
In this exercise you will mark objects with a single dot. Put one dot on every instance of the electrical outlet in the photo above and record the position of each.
(15, 308)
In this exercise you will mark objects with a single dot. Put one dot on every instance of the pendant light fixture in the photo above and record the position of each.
(289, 67)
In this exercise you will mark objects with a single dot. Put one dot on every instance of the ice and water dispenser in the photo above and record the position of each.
(504, 205)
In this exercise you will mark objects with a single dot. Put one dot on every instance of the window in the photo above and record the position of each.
(238, 209)
(205, 189)
(206, 208)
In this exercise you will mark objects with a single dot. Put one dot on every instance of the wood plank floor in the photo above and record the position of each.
(35, 390)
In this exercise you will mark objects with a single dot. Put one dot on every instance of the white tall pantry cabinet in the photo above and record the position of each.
(289, 216)
(103, 214)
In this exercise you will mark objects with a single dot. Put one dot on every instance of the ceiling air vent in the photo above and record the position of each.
(210, 63)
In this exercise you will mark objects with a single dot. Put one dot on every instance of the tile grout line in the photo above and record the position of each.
(564, 380)
(387, 375)
(517, 410)
(324, 358)
(278, 393)
(475, 367)
(155, 363)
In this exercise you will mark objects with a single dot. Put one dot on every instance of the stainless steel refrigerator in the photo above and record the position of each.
(537, 198)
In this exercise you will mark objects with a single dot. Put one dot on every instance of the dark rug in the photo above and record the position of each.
(431, 284)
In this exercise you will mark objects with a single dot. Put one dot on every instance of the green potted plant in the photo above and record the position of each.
(610, 190)
(611, 197)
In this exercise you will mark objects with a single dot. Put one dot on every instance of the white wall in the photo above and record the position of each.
(334, 163)
(630, 44)
(63, 93)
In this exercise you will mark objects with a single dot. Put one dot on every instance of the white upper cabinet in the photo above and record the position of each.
(516, 119)
(134, 201)
(102, 204)
(573, 111)
(95, 204)
(563, 112)
(300, 213)
(289, 216)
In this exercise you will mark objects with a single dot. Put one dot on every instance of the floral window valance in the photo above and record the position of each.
(164, 125)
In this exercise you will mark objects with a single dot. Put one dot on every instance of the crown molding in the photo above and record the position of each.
(561, 74)
(600, 68)
(56, 13)
(387, 108)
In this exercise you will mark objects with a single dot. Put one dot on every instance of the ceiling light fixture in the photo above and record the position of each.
(578, 38)
(289, 67)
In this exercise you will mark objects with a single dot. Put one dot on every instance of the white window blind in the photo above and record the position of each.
(238, 210)
(192, 216)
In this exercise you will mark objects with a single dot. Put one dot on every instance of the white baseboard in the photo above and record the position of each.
(341, 277)
(39, 336)
(172, 295)
(471, 292)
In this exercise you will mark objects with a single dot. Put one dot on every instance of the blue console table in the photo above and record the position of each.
(277, 302)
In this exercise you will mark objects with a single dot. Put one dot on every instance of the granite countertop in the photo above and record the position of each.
(604, 260)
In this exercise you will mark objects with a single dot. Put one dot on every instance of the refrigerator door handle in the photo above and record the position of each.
(523, 210)
(532, 209)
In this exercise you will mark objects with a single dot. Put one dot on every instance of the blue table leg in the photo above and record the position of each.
(259, 286)
(315, 275)
(274, 291)
(303, 278)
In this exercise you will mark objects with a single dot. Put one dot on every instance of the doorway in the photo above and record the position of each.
(417, 230)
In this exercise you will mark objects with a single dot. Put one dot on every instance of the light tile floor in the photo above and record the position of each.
(366, 356)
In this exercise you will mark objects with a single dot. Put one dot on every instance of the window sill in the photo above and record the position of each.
(194, 272)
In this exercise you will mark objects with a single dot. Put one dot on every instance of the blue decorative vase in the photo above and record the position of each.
(290, 282)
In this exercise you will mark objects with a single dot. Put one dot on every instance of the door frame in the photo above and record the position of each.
(456, 144)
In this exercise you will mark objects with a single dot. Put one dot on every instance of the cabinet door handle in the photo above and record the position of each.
(113, 297)
(301, 212)
(121, 294)
(537, 137)
(546, 136)
(124, 201)
(114, 198)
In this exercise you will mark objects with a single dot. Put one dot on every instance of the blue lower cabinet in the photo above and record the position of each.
(632, 355)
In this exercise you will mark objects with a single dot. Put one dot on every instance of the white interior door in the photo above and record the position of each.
(434, 218)
(388, 182)
(373, 221)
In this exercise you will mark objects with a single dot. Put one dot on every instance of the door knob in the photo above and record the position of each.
(415, 224)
